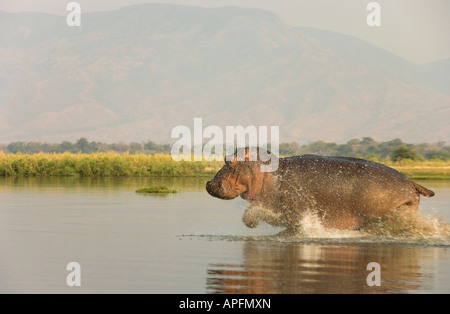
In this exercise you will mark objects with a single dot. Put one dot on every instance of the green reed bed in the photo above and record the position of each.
(422, 173)
(423, 170)
(159, 165)
(101, 165)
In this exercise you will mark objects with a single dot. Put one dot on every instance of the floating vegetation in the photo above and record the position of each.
(159, 189)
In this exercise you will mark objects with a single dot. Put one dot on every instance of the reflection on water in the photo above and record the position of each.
(104, 184)
(131, 243)
(312, 268)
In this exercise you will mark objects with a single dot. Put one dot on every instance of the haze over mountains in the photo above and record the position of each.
(135, 73)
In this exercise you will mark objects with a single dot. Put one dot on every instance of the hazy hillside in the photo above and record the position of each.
(438, 74)
(135, 73)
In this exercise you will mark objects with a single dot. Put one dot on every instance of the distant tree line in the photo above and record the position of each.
(395, 150)
(367, 147)
(85, 147)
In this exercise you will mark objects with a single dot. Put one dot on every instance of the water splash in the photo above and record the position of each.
(312, 227)
(254, 215)
(395, 226)
(401, 224)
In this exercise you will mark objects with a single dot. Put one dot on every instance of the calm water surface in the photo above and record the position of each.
(192, 243)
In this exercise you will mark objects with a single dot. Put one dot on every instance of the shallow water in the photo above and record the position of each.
(192, 243)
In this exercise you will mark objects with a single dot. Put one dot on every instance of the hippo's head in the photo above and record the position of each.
(242, 174)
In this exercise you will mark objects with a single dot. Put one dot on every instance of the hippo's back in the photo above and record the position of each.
(348, 185)
(341, 167)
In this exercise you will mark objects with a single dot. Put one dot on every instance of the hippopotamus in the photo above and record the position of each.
(344, 192)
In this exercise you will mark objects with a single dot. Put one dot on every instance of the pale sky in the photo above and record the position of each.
(417, 30)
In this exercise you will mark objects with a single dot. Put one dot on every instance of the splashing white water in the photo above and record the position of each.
(394, 225)
(401, 224)
(312, 227)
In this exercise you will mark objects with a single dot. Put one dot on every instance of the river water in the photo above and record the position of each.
(191, 242)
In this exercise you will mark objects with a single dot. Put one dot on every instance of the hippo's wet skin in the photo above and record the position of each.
(344, 192)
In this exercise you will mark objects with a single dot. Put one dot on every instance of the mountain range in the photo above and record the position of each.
(135, 73)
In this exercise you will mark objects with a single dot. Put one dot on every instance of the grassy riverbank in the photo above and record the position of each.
(425, 172)
(101, 165)
(422, 170)
(159, 165)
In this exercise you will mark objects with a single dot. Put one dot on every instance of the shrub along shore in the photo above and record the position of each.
(158, 165)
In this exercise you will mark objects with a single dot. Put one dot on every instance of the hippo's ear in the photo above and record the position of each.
(247, 154)
(234, 161)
